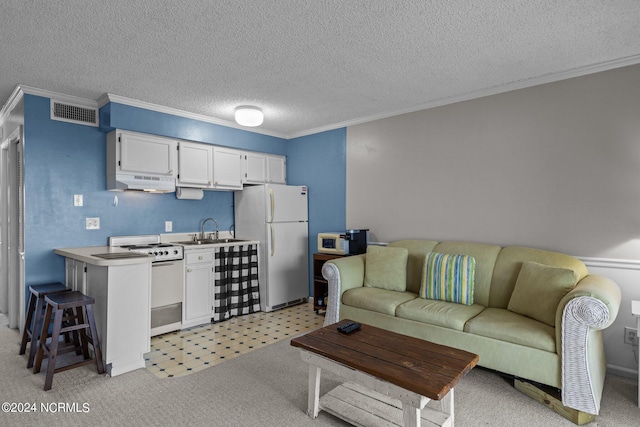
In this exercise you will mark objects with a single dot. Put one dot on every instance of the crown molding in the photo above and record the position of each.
(84, 102)
(8, 106)
(104, 99)
(109, 97)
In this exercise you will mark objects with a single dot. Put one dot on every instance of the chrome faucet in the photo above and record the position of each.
(202, 228)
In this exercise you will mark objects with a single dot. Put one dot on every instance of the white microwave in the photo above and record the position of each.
(333, 243)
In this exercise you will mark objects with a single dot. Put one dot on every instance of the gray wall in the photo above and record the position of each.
(555, 166)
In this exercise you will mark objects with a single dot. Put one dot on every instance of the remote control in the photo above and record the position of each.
(347, 328)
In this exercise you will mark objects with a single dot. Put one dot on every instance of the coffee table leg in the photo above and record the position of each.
(410, 415)
(313, 406)
(446, 406)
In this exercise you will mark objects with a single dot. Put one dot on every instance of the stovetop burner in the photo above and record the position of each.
(149, 245)
(130, 247)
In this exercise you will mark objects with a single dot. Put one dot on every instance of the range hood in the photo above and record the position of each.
(153, 184)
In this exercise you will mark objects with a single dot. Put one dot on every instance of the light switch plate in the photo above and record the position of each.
(168, 226)
(92, 223)
(77, 200)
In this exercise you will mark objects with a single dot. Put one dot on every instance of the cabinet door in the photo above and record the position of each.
(195, 165)
(277, 169)
(198, 291)
(255, 166)
(76, 275)
(227, 168)
(147, 154)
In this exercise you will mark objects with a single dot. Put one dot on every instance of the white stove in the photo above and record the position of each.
(167, 279)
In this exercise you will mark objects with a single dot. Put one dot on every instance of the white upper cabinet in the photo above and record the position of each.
(195, 165)
(261, 168)
(255, 168)
(227, 168)
(145, 154)
(137, 161)
(277, 169)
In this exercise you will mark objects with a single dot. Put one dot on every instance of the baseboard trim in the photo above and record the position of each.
(621, 371)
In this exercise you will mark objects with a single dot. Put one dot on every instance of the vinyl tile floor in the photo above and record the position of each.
(181, 353)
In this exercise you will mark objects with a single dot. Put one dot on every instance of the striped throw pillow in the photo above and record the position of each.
(448, 277)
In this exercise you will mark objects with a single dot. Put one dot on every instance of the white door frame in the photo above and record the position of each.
(12, 289)
(4, 206)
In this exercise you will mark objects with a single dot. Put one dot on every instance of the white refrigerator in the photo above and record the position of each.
(277, 215)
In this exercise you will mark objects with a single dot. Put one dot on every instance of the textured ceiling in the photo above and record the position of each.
(308, 64)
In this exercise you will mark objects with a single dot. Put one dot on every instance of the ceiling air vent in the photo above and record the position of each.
(71, 113)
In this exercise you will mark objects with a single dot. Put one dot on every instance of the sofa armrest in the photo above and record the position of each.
(341, 274)
(600, 288)
(590, 307)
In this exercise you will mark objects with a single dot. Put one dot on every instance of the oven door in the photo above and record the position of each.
(167, 287)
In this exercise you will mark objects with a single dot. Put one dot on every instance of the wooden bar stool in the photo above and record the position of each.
(75, 303)
(33, 321)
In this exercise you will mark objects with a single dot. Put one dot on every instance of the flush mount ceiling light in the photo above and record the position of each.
(246, 115)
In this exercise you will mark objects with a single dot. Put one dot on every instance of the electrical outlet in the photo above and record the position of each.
(92, 224)
(630, 336)
(77, 200)
(168, 226)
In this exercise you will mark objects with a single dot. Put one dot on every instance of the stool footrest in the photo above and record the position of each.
(74, 365)
(74, 328)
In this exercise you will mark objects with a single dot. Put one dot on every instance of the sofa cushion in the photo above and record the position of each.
(539, 289)
(417, 250)
(438, 313)
(448, 277)
(386, 268)
(505, 325)
(375, 299)
(508, 266)
(485, 256)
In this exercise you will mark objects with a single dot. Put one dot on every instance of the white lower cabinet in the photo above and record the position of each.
(121, 309)
(198, 288)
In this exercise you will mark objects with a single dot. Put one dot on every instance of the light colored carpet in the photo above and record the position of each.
(267, 387)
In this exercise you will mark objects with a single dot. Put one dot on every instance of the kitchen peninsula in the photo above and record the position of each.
(120, 282)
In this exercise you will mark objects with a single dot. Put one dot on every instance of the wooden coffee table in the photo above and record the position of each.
(391, 377)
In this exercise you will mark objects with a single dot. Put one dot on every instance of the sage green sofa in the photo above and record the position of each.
(568, 354)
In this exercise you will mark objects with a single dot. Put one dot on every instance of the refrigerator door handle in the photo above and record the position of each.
(273, 202)
(273, 240)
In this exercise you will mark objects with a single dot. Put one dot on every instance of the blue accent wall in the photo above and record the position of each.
(63, 159)
(319, 161)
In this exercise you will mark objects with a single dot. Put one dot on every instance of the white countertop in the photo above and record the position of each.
(86, 254)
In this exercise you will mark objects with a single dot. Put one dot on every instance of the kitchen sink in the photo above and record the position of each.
(210, 241)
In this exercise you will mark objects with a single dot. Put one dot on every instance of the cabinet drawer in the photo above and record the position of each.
(199, 257)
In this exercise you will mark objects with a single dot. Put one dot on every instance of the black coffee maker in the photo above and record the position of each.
(358, 240)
